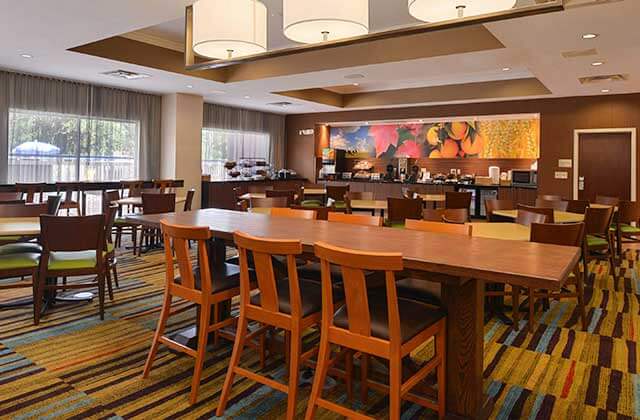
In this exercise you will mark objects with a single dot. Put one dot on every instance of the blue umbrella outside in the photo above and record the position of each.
(36, 148)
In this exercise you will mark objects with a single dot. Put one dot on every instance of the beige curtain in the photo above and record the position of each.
(34, 93)
(228, 118)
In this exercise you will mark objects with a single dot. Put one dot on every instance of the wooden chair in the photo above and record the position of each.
(290, 195)
(351, 195)
(356, 219)
(131, 189)
(293, 213)
(460, 216)
(439, 227)
(526, 218)
(409, 193)
(10, 197)
(268, 203)
(577, 206)
(559, 205)
(153, 203)
(627, 224)
(188, 202)
(322, 213)
(110, 260)
(457, 200)
(548, 212)
(196, 286)
(376, 323)
(18, 266)
(550, 197)
(566, 234)
(491, 205)
(31, 191)
(120, 225)
(311, 201)
(289, 304)
(71, 195)
(71, 246)
(607, 200)
(164, 185)
(337, 193)
(401, 209)
(599, 237)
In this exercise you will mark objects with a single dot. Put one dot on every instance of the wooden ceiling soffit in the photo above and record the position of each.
(447, 93)
(130, 51)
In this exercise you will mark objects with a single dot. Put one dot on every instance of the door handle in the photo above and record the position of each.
(581, 183)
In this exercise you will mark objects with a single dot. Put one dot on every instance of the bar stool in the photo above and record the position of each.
(289, 303)
(378, 323)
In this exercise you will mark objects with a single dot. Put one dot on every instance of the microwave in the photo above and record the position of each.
(524, 177)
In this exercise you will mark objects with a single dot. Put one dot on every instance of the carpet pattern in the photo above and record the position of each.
(76, 366)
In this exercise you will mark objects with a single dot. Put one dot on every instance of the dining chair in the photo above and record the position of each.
(559, 205)
(457, 200)
(360, 195)
(290, 195)
(110, 259)
(72, 246)
(376, 323)
(164, 185)
(10, 197)
(337, 194)
(120, 225)
(322, 212)
(548, 212)
(566, 234)
(154, 203)
(409, 193)
(31, 191)
(356, 219)
(131, 189)
(626, 224)
(312, 200)
(599, 236)
(526, 218)
(577, 206)
(446, 215)
(188, 202)
(71, 195)
(401, 209)
(293, 213)
(19, 270)
(197, 286)
(268, 203)
(607, 200)
(492, 204)
(550, 197)
(290, 304)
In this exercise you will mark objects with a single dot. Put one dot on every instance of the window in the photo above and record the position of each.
(219, 146)
(50, 147)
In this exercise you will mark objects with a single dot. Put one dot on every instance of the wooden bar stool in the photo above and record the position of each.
(289, 304)
(293, 213)
(378, 323)
(195, 286)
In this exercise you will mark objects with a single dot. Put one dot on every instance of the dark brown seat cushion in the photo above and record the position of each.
(414, 316)
(421, 290)
(312, 272)
(310, 293)
(226, 278)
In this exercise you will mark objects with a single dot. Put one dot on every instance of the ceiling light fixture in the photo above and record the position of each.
(589, 36)
(605, 91)
(26, 56)
(506, 69)
(312, 21)
(247, 97)
(439, 10)
(356, 84)
(226, 29)
(597, 63)
(189, 86)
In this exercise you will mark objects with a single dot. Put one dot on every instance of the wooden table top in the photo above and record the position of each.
(19, 226)
(559, 216)
(439, 198)
(504, 231)
(137, 201)
(369, 204)
(314, 191)
(521, 263)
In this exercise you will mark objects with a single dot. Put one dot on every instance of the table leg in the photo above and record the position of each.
(465, 330)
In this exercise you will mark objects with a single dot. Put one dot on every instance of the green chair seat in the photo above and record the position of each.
(311, 203)
(19, 261)
(76, 260)
(595, 241)
(395, 225)
(20, 248)
(628, 229)
(10, 238)
(110, 248)
(121, 221)
(340, 205)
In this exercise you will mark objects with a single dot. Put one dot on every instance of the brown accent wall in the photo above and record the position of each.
(558, 119)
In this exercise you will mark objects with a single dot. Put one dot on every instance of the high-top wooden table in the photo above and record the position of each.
(460, 264)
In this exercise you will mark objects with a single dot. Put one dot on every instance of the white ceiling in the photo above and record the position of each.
(533, 48)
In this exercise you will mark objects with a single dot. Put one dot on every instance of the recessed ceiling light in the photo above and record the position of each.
(366, 123)
(506, 69)
(247, 97)
(605, 91)
(217, 92)
(356, 84)
(189, 86)
(354, 76)
(589, 36)
(597, 63)
(26, 56)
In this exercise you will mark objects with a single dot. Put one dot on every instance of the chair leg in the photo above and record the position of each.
(515, 298)
(364, 378)
(39, 296)
(205, 313)
(34, 285)
(115, 275)
(612, 261)
(532, 309)
(441, 343)
(580, 292)
(287, 350)
(162, 323)
(348, 370)
(101, 293)
(109, 283)
(320, 376)
(294, 372)
(238, 345)
(395, 383)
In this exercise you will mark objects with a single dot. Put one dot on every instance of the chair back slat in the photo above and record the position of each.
(31, 190)
(400, 209)
(577, 206)
(628, 212)
(269, 202)
(108, 197)
(526, 218)
(457, 200)
(607, 200)
(293, 213)
(492, 204)
(337, 192)
(355, 219)
(560, 205)
(188, 202)
(548, 212)
(439, 227)
(598, 220)
(133, 188)
(355, 290)
(157, 203)
(69, 234)
(566, 234)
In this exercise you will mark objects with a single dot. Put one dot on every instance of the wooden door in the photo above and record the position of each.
(604, 165)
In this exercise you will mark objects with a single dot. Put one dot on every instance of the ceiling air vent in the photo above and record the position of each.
(127, 75)
(604, 78)
(281, 104)
(580, 53)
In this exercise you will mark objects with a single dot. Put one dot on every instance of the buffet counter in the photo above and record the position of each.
(222, 194)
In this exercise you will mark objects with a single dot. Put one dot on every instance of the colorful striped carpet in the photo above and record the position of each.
(76, 366)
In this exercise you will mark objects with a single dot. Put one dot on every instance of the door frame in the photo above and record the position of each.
(576, 155)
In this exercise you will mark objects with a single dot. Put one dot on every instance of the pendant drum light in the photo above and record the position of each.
(439, 10)
(225, 29)
(312, 21)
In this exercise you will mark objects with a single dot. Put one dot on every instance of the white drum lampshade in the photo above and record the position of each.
(311, 21)
(439, 10)
(224, 29)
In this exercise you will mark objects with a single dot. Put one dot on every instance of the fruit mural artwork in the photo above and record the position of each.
(500, 138)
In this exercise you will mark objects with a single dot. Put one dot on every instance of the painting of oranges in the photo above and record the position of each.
(486, 138)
